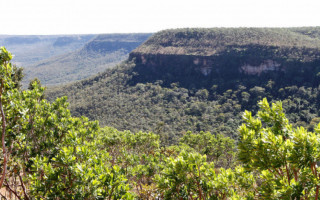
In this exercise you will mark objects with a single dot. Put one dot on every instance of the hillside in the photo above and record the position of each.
(101, 52)
(169, 92)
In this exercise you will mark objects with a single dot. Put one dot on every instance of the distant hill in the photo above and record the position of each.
(202, 80)
(98, 54)
(31, 49)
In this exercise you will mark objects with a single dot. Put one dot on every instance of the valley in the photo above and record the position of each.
(100, 53)
(170, 92)
(60, 59)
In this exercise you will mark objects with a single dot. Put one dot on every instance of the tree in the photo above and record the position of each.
(5, 84)
(285, 157)
(47, 153)
(189, 176)
(217, 148)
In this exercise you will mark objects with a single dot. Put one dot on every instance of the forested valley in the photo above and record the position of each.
(168, 94)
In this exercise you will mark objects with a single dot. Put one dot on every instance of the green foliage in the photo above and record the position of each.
(137, 154)
(47, 153)
(218, 149)
(285, 157)
(189, 176)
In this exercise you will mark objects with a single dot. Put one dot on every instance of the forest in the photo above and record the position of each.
(113, 100)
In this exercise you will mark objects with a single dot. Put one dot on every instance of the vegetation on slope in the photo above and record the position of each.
(109, 98)
(214, 41)
(114, 100)
(168, 93)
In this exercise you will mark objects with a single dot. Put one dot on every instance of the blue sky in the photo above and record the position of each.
(126, 16)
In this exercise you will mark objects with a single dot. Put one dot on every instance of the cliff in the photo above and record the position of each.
(224, 53)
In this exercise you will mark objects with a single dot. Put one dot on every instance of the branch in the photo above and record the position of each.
(275, 173)
(295, 172)
(23, 188)
(111, 192)
(288, 174)
(281, 172)
(315, 169)
(3, 117)
(198, 184)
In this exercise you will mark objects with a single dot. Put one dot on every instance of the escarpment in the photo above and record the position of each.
(200, 57)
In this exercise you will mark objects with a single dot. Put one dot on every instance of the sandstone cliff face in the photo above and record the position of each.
(201, 58)
(205, 65)
(265, 66)
(194, 71)
(197, 64)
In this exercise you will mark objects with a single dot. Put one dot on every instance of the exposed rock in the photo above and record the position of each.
(204, 65)
(206, 70)
(196, 61)
(143, 60)
(267, 65)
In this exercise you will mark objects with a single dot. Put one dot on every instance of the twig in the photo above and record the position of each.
(3, 196)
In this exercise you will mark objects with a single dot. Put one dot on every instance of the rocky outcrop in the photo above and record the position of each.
(204, 65)
(265, 66)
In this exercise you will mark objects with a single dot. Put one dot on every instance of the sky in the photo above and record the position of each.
(44, 17)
